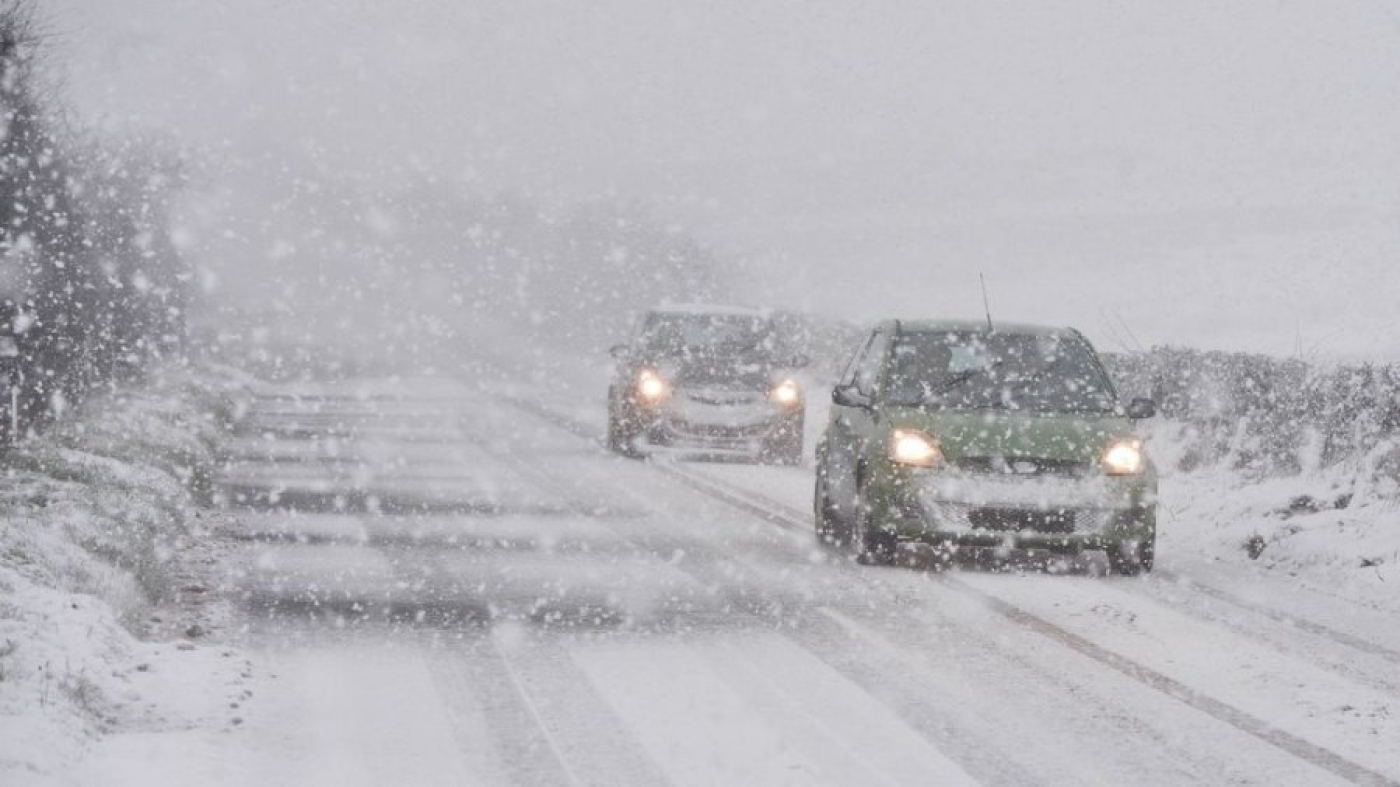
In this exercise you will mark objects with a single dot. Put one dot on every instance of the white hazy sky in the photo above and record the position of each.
(1215, 172)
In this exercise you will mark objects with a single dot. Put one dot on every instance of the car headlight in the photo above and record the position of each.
(651, 386)
(914, 448)
(786, 393)
(1124, 457)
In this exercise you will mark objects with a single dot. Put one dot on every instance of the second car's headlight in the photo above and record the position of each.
(914, 448)
(1124, 457)
(651, 387)
(786, 393)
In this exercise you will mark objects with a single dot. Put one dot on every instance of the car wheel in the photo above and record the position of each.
(831, 530)
(1130, 558)
(785, 448)
(874, 546)
(622, 435)
(786, 452)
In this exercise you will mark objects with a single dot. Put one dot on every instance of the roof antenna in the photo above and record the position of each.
(987, 307)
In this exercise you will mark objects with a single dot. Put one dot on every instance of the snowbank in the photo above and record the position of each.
(100, 546)
(1276, 465)
(1332, 526)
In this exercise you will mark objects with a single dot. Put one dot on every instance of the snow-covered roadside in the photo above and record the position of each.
(102, 618)
(1334, 527)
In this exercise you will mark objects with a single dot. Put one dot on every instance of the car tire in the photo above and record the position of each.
(874, 546)
(786, 447)
(1131, 558)
(622, 435)
(831, 529)
(787, 452)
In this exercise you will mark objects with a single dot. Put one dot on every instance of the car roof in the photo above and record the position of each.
(962, 326)
(711, 309)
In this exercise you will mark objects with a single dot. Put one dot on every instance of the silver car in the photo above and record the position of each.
(707, 378)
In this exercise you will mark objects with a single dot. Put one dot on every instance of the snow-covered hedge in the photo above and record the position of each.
(1266, 415)
(1290, 464)
(94, 516)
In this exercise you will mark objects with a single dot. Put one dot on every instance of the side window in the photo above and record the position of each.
(965, 359)
(848, 377)
(868, 367)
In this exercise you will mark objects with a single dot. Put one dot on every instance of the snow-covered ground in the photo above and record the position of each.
(1335, 528)
(103, 625)
(444, 579)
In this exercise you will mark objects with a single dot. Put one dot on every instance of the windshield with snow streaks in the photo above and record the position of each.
(982, 370)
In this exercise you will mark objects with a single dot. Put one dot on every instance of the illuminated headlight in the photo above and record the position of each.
(914, 448)
(1124, 458)
(650, 386)
(786, 393)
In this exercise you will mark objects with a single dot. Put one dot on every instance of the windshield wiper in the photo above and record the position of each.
(957, 380)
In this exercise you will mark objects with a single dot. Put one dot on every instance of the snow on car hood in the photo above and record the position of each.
(979, 433)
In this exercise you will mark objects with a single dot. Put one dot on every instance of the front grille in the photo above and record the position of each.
(1022, 465)
(722, 397)
(1018, 519)
(961, 516)
(716, 432)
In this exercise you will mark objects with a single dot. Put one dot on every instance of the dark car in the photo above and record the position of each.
(710, 379)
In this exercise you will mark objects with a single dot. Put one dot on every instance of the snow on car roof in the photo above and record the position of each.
(919, 326)
(711, 308)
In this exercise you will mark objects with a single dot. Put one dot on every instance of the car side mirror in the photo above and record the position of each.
(1139, 409)
(849, 396)
(619, 351)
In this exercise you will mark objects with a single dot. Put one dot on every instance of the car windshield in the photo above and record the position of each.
(976, 370)
(710, 335)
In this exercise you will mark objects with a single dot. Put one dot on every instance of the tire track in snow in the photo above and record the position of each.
(531, 706)
(1302, 624)
(1358, 665)
(1293, 744)
(480, 669)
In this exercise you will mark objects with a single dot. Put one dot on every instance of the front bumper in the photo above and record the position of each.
(1039, 512)
(728, 421)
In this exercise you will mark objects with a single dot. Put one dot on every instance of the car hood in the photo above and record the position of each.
(725, 373)
(1001, 433)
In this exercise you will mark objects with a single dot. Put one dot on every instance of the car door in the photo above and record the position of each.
(853, 416)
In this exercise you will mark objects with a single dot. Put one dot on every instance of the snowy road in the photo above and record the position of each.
(443, 582)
